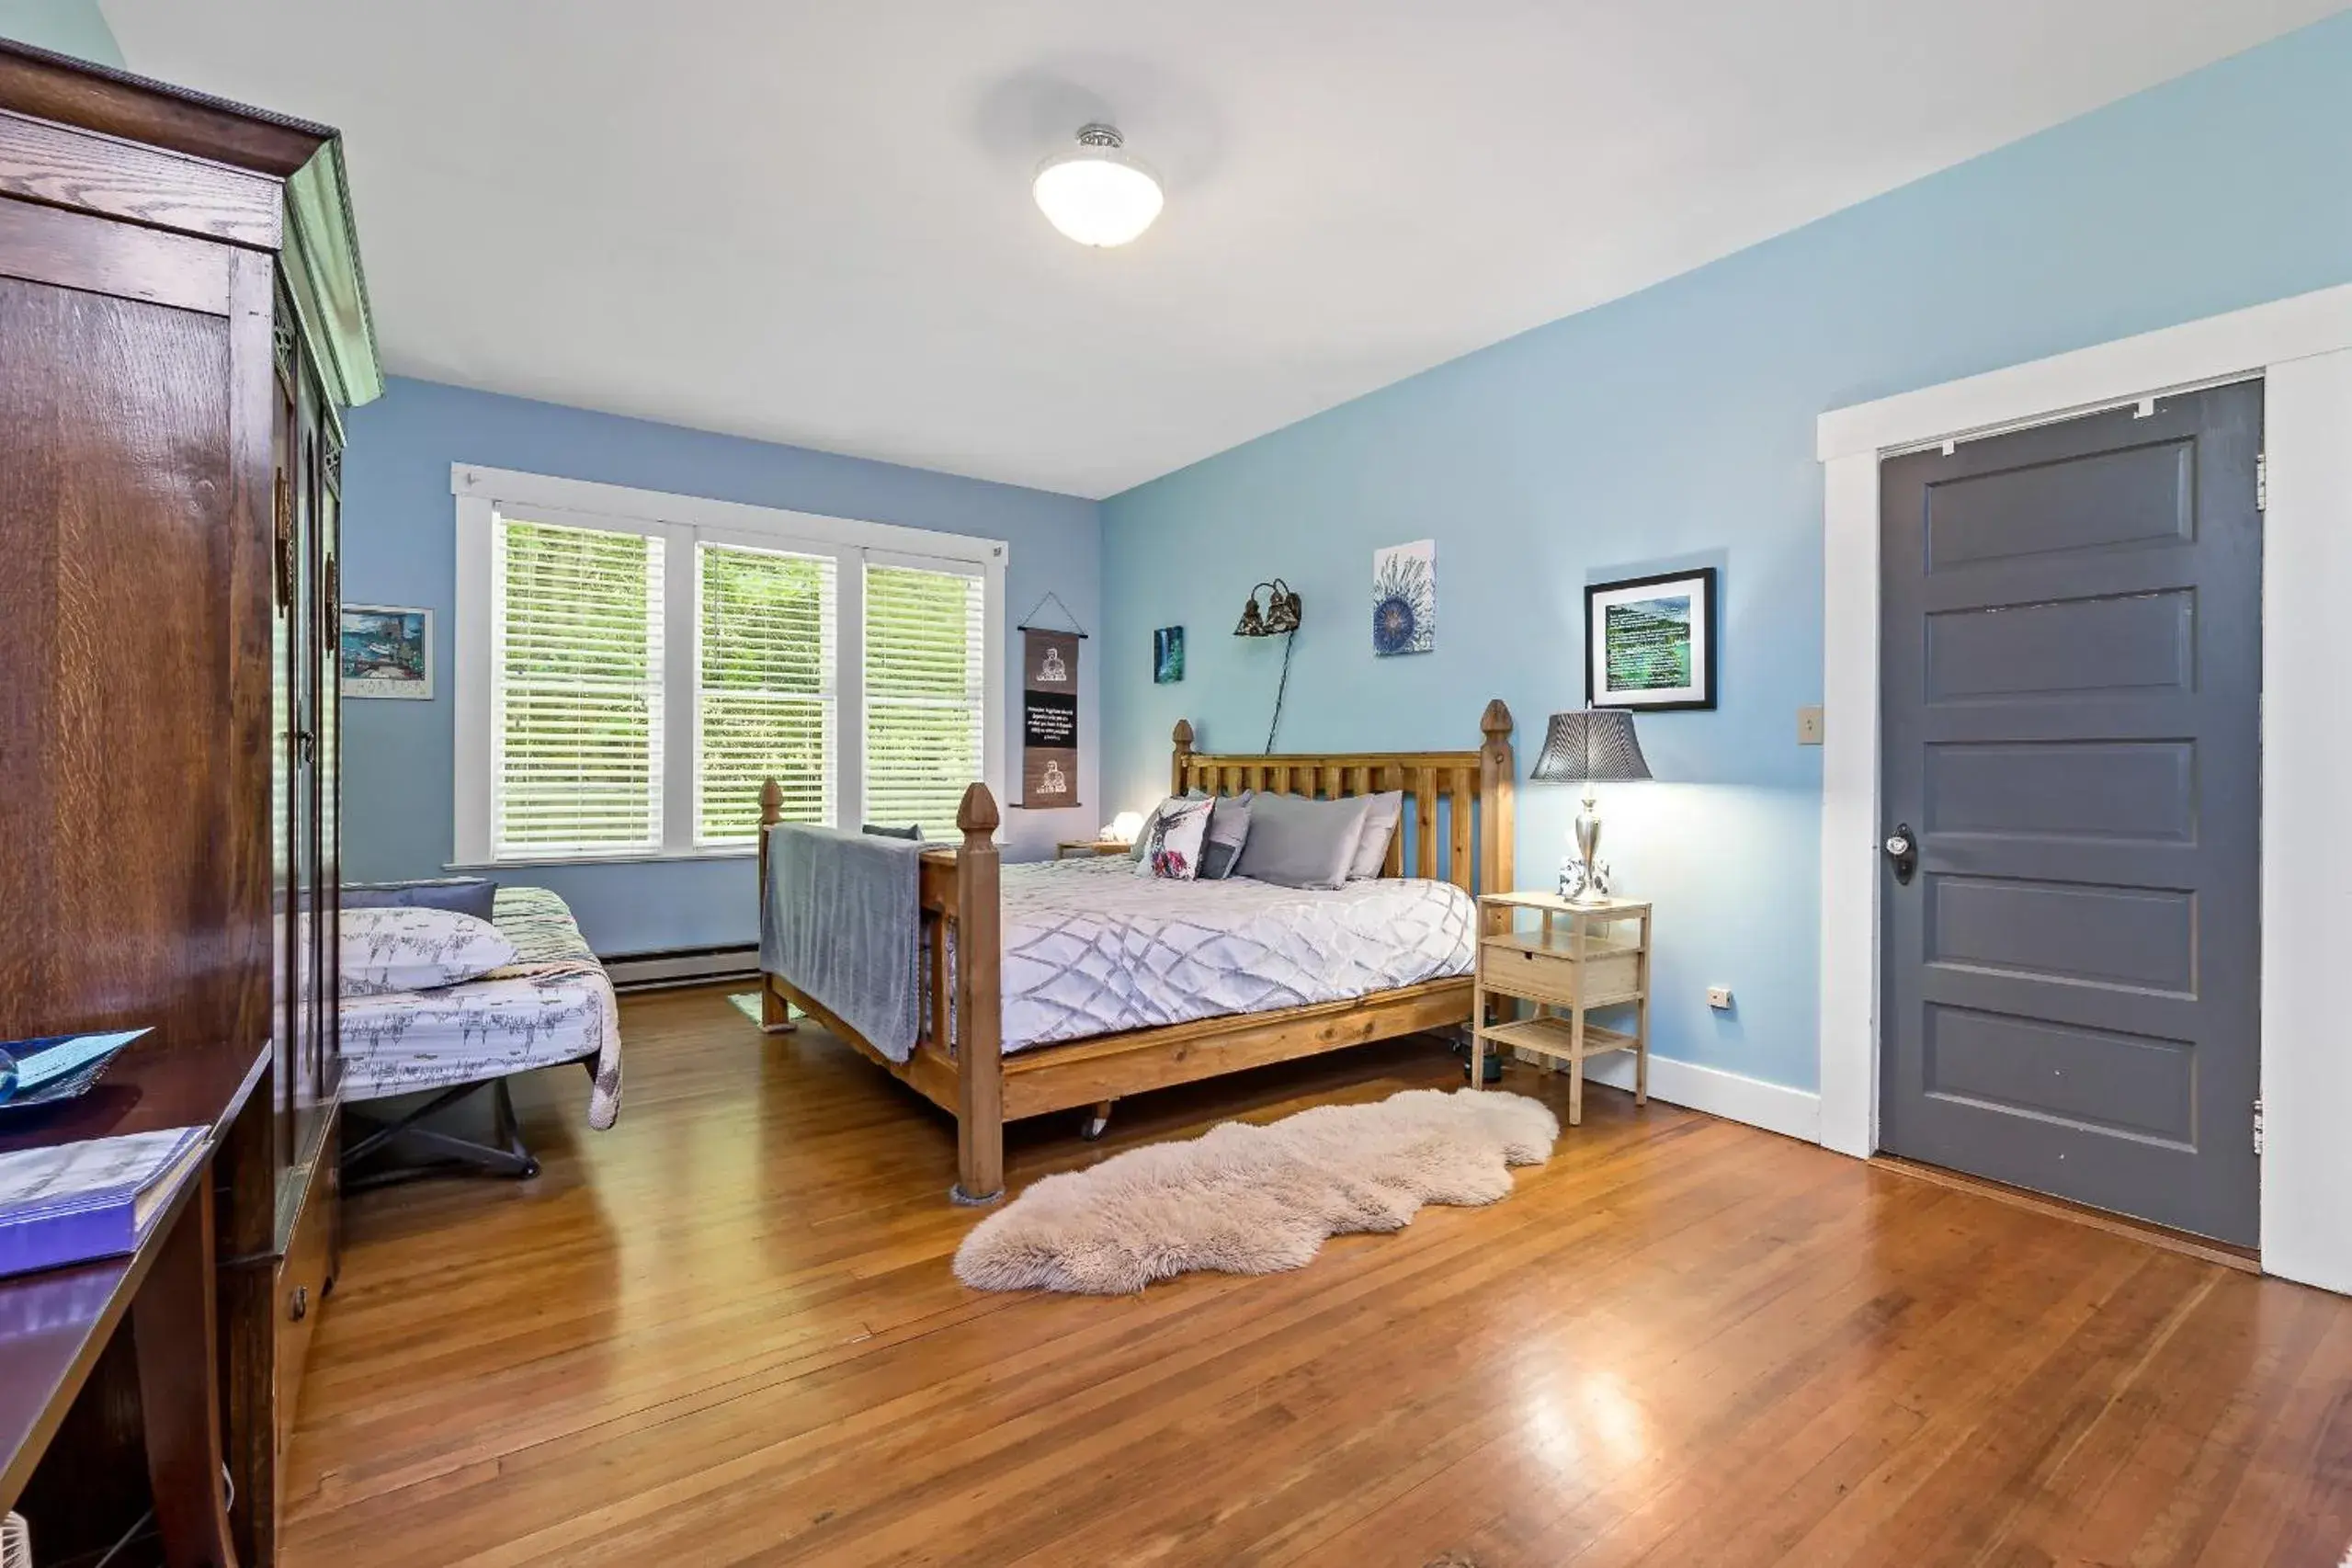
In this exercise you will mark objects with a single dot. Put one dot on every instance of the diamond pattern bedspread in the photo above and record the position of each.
(553, 1003)
(1090, 947)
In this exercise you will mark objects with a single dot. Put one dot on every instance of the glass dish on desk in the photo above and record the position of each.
(56, 1067)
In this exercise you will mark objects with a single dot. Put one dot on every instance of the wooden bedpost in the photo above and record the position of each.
(1497, 779)
(980, 1056)
(1182, 738)
(774, 1014)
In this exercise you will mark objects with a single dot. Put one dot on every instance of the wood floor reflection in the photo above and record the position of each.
(725, 1331)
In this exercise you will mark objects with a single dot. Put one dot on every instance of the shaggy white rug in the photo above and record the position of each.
(1248, 1199)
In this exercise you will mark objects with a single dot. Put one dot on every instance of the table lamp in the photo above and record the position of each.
(1596, 745)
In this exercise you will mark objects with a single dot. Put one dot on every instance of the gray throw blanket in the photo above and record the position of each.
(841, 920)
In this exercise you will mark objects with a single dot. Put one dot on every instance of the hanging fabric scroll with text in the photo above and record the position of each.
(1048, 719)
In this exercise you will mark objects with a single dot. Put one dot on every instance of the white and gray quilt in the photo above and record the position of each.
(1090, 947)
(553, 1003)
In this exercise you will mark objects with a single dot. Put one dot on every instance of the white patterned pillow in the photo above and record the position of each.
(410, 948)
(1174, 839)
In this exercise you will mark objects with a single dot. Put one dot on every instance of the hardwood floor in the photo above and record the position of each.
(725, 1331)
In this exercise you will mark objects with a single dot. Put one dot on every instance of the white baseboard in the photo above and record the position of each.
(694, 966)
(1792, 1113)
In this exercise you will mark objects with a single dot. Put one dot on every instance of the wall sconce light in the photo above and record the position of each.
(1278, 617)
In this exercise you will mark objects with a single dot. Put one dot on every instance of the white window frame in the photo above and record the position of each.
(682, 521)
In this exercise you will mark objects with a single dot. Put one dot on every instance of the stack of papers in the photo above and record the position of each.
(71, 1202)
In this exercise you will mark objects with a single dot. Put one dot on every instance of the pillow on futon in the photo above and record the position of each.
(1174, 837)
(466, 895)
(1381, 813)
(409, 948)
(1297, 843)
(911, 830)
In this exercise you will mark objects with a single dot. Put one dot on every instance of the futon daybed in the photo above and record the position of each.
(554, 1005)
(1050, 987)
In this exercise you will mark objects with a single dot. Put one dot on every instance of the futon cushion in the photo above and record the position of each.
(408, 948)
(466, 896)
(1381, 813)
(1174, 838)
(1297, 843)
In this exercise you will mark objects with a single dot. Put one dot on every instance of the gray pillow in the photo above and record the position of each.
(911, 830)
(1227, 830)
(1381, 815)
(465, 895)
(1297, 843)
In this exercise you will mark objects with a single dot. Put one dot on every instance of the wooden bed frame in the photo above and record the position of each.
(1468, 843)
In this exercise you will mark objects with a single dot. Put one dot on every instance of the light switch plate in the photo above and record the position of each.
(1808, 726)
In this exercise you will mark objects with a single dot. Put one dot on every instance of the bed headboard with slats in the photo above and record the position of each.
(1457, 822)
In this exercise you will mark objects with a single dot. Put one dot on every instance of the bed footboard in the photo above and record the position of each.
(957, 1061)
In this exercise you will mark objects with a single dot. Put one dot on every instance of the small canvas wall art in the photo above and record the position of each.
(387, 651)
(1167, 655)
(1405, 598)
(1650, 642)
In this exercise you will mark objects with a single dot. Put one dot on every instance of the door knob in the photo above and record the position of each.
(1903, 850)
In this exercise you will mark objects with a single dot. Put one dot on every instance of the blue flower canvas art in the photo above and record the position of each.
(1405, 598)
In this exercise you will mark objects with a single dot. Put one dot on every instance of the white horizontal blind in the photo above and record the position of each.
(577, 677)
(925, 694)
(766, 693)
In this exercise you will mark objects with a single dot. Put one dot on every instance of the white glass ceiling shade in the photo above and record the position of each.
(1097, 194)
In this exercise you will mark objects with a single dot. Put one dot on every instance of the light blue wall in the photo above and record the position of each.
(69, 26)
(399, 547)
(1677, 427)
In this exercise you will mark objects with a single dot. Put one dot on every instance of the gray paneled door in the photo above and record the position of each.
(2071, 670)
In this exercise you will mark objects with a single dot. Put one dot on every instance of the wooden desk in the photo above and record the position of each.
(55, 1324)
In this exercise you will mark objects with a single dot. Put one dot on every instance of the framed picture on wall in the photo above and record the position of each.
(1650, 642)
(387, 651)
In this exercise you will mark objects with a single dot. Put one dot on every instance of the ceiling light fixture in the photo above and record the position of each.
(1097, 195)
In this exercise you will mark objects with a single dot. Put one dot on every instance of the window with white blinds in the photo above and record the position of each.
(925, 698)
(576, 689)
(632, 667)
(764, 704)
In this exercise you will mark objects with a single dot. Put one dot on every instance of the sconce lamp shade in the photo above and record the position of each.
(1595, 745)
(1280, 614)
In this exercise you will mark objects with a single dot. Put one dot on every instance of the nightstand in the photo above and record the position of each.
(1565, 959)
(1079, 849)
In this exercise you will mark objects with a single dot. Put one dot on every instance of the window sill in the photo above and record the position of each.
(653, 857)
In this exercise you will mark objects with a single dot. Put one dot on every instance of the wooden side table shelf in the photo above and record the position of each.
(1079, 849)
(1571, 961)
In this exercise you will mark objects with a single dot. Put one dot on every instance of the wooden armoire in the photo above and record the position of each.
(182, 319)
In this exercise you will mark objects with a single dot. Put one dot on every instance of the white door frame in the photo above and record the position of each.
(2302, 347)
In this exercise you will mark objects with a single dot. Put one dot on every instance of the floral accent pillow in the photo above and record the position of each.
(411, 948)
(1172, 839)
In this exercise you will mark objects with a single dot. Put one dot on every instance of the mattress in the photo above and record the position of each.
(1090, 947)
(553, 1005)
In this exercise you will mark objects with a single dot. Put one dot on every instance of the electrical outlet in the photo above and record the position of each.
(1808, 726)
(1719, 998)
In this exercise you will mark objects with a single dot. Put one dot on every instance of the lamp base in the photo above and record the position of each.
(1584, 883)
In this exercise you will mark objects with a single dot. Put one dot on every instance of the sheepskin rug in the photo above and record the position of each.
(1248, 1199)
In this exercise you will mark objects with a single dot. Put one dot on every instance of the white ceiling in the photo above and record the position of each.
(808, 220)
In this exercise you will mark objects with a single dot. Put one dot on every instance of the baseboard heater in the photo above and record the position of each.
(682, 966)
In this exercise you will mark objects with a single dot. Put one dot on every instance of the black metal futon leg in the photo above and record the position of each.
(403, 1151)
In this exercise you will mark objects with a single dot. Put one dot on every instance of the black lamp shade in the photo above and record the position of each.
(1595, 745)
